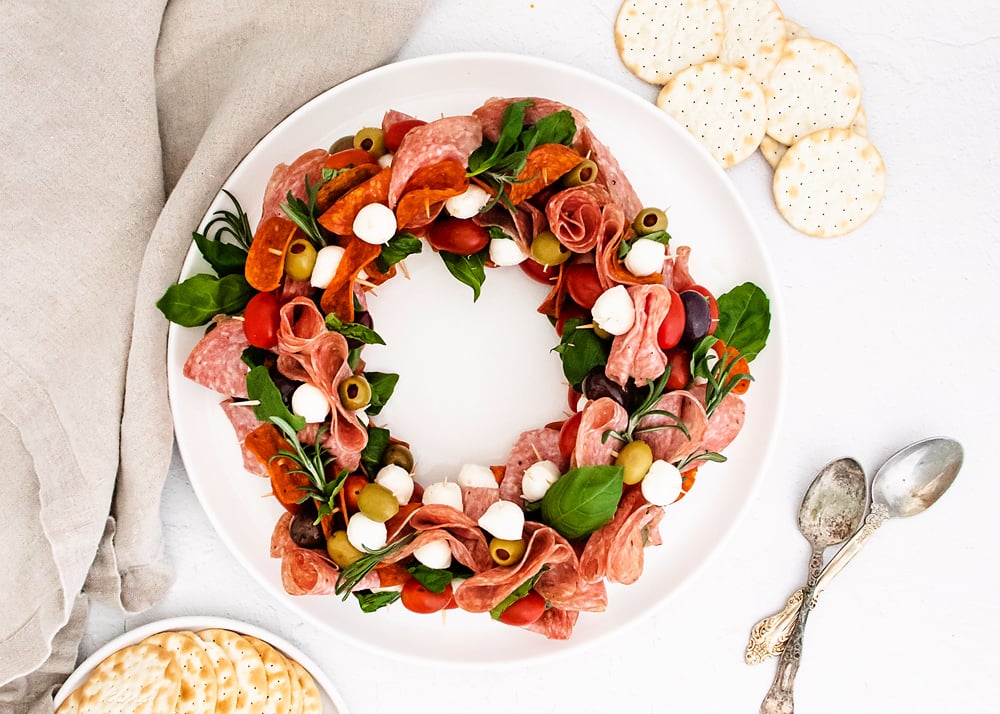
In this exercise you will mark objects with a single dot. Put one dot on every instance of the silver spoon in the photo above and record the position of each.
(831, 510)
(910, 482)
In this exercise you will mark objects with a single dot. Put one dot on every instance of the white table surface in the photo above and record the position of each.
(891, 338)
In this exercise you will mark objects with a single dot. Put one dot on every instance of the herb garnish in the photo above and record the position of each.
(261, 387)
(626, 245)
(350, 576)
(646, 409)
(303, 213)
(580, 350)
(354, 330)
(522, 590)
(583, 500)
(397, 248)
(383, 384)
(468, 269)
(201, 297)
(314, 466)
(371, 602)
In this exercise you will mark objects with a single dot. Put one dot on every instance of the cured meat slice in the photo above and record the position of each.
(281, 536)
(244, 421)
(491, 113)
(436, 522)
(562, 586)
(291, 177)
(575, 216)
(636, 353)
(530, 448)
(477, 499)
(675, 269)
(725, 423)
(598, 417)
(611, 268)
(454, 137)
(393, 117)
(615, 551)
(555, 624)
(609, 172)
(670, 443)
(215, 362)
(304, 571)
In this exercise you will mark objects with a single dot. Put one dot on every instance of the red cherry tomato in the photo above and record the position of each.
(569, 311)
(713, 306)
(349, 157)
(538, 272)
(417, 598)
(460, 236)
(583, 284)
(260, 320)
(568, 433)
(352, 489)
(672, 327)
(573, 398)
(679, 361)
(394, 135)
(524, 611)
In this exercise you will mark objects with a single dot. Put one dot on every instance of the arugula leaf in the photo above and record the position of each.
(489, 154)
(383, 384)
(521, 590)
(261, 387)
(556, 128)
(370, 602)
(396, 249)
(201, 297)
(583, 500)
(580, 350)
(468, 269)
(744, 320)
(354, 331)
(371, 455)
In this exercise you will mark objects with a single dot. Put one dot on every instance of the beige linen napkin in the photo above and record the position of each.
(120, 121)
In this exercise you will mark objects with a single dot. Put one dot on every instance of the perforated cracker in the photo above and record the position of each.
(198, 678)
(278, 685)
(754, 36)
(139, 679)
(311, 702)
(227, 687)
(251, 677)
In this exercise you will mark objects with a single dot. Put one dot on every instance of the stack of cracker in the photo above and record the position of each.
(740, 77)
(203, 672)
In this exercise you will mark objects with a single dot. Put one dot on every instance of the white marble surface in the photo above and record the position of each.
(891, 338)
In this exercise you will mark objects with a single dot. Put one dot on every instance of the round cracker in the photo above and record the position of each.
(227, 687)
(829, 182)
(658, 38)
(794, 30)
(813, 86)
(251, 678)
(773, 150)
(278, 684)
(754, 36)
(139, 679)
(311, 702)
(721, 106)
(199, 689)
(860, 123)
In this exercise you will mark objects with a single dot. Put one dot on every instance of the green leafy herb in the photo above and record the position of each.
(328, 174)
(398, 247)
(370, 602)
(433, 579)
(626, 245)
(580, 350)
(201, 297)
(583, 500)
(225, 258)
(371, 455)
(744, 320)
(353, 574)
(719, 373)
(354, 358)
(468, 269)
(256, 357)
(354, 331)
(383, 384)
(314, 466)
(235, 224)
(522, 590)
(714, 456)
(498, 233)
(647, 409)
(261, 387)
(303, 213)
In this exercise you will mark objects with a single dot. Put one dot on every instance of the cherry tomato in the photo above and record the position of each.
(352, 489)
(713, 306)
(569, 311)
(679, 361)
(573, 399)
(396, 132)
(538, 272)
(260, 321)
(416, 598)
(672, 326)
(349, 157)
(568, 434)
(460, 236)
(524, 611)
(583, 284)
(738, 368)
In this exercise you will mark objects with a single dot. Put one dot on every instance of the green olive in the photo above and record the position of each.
(547, 250)
(340, 549)
(603, 334)
(399, 455)
(371, 140)
(300, 259)
(583, 173)
(635, 458)
(343, 143)
(506, 552)
(377, 502)
(355, 392)
(649, 220)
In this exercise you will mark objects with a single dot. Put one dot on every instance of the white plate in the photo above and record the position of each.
(474, 376)
(333, 703)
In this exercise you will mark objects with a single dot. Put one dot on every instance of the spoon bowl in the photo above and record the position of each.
(915, 477)
(834, 504)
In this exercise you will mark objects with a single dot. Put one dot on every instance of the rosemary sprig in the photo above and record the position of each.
(303, 213)
(719, 375)
(714, 456)
(350, 576)
(314, 466)
(235, 224)
(646, 409)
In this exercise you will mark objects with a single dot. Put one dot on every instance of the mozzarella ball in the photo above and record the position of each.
(471, 475)
(327, 261)
(662, 483)
(366, 534)
(375, 224)
(503, 520)
(504, 251)
(537, 479)
(447, 493)
(645, 257)
(310, 403)
(468, 203)
(385, 160)
(614, 311)
(398, 480)
(436, 554)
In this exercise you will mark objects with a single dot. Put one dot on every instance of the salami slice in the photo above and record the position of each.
(436, 522)
(477, 499)
(598, 417)
(636, 353)
(615, 551)
(530, 448)
(555, 624)
(575, 216)
(291, 177)
(562, 586)
(393, 117)
(454, 137)
(244, 421)
(281, 536)
(215, 362)
(675, 269)
(609, 174)
(491, 113)
(725, 423)
(670, 443)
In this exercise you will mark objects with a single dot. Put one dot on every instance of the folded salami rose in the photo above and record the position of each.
(453, 137)
(725, 422)
(436, 522)
(215, 362)
(615, 551)
(635, 353)
(609, 172)
(576, 216)
(592, 447)
(670, 442)
(291, 177)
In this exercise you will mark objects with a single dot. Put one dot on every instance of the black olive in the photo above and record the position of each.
(304, 532)
(597, 384)
(697, 316)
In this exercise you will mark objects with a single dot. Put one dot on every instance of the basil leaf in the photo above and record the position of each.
(256, 356)
(370, 602)
(556, 128)
(489, 154)
(468, 269)
(201, 297)
(225, 258)
(354, 331)
(397, 248)
(261, 387)
(431, 578)
(371, 455)
(522, 590)
(583, 500)
(383, 384)
(498, 233)
(580, 351)
(744, 320)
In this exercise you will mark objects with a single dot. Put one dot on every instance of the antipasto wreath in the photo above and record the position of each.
(654, 362)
